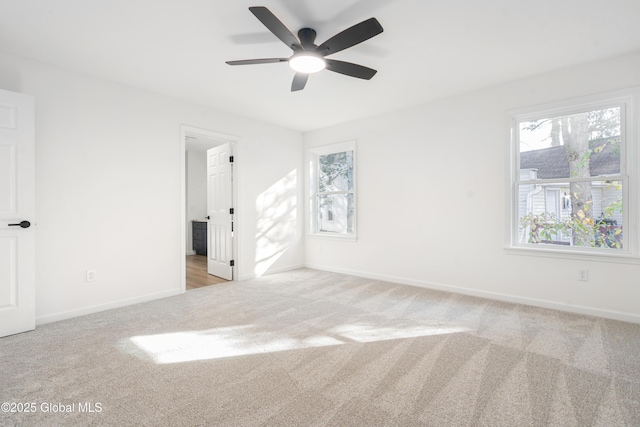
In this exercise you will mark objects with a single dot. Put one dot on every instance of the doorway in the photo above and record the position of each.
(197, 275)
(208, 241)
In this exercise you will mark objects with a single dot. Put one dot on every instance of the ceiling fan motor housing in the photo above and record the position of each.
(307, 36)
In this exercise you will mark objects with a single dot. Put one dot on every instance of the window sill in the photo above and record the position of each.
(621, 258)
(334, 236)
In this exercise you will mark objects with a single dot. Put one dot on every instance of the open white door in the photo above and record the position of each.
(219, 211)
(17, 214)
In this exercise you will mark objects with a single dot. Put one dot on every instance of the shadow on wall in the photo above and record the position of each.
(277, 221)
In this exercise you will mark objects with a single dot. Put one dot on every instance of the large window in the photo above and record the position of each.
(333, 197)
(570, 177)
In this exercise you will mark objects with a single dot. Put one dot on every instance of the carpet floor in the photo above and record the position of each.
(313, 348)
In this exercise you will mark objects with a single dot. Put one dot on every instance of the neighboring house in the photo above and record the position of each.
(332, 216)
(554, 198)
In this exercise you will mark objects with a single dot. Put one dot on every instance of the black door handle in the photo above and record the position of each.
(23, 224)
(208, 217)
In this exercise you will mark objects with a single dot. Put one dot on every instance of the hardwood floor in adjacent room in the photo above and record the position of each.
(197, 276)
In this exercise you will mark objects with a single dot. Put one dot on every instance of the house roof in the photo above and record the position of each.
(552, 162)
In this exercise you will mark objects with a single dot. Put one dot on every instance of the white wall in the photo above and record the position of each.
(196, 192)
(433, 195)
(108, 189)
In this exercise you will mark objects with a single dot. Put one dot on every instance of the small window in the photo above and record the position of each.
(332, 173)
(570, 179)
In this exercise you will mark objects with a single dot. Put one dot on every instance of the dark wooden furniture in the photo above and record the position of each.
(199, 234)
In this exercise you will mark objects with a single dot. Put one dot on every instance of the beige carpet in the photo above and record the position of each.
(309, 348)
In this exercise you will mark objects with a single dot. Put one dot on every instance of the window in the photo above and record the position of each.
(571, 177)
(333, 197)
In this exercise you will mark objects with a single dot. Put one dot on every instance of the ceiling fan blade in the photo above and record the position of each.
(276, 27)
(349, 69)
(299, 81)
(257, 61)
(350, 37)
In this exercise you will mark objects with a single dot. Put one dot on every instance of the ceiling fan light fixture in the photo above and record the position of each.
(307, 63)
(308, 58)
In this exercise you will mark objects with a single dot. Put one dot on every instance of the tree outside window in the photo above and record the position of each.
(570, 178)
(334, 190)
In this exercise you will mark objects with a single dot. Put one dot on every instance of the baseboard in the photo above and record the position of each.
(191, 253)
(103, 307)
(577, 309)
(270, 271)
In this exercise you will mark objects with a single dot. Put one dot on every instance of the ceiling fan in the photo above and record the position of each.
(310, 58)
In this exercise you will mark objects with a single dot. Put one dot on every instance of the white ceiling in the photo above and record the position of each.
(428, 50)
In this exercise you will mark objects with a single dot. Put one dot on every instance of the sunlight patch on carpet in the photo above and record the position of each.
(190, 346)
(362, 332)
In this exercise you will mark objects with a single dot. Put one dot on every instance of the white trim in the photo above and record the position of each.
(551, 252)
(269, 272)
(594, 178)
(327, 235)
(577, 309)
(333, 148)
(64, 315)
(234, 141)
(575, 105)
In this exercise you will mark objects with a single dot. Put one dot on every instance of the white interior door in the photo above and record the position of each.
(17, 214)
(219, 205)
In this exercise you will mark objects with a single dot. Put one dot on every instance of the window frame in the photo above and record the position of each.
(313, 155)
(626, 99)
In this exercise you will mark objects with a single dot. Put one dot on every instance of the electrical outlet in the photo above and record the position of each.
(583, 275)
(91, 275)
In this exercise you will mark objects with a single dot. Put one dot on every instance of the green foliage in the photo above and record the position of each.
(547, 227)
(613, 208)
(336, 171)
(604, 123)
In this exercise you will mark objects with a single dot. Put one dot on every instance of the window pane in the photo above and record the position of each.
(576, 146)
(335, 213)
(335, 171)
(584, 214)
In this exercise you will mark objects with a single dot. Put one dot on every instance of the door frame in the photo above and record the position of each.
(233, 140)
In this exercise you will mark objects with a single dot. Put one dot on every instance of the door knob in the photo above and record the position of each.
(23, 224)
(208, 217)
